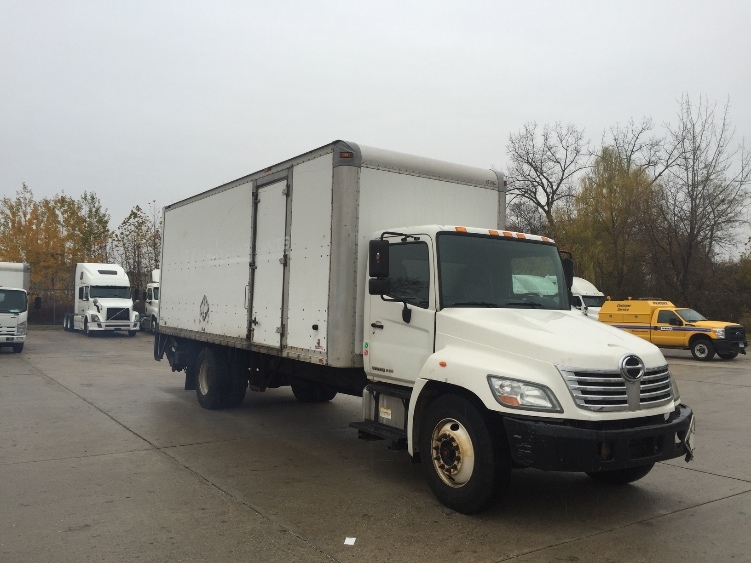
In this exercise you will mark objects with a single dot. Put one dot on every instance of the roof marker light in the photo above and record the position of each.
(492, 232)
(461, 229)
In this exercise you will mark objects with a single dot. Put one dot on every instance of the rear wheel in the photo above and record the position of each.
(211, 380)
(702, 349)
(310, 393)
(466, 466)
(727, 355)
(621, 476)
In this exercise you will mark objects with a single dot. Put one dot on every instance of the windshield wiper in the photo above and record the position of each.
(530, 304)
(473, 304)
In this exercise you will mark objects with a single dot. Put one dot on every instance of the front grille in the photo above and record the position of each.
(118, 314)
(608, 391)
(735, 332)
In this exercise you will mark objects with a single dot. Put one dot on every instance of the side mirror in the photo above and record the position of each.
(568, 271)
(378, 259)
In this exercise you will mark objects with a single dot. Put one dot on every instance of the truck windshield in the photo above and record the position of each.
(593, 300)
(690, 316)
(109, 292)
(13, 301)
(490, 271)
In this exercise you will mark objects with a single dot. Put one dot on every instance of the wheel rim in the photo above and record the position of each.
(453, 453)
(701, 350)
(203, 379)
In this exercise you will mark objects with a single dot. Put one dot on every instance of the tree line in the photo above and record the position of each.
(648, 212)
(54, 233)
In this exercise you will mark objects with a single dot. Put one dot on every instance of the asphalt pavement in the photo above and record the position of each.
(104, 457)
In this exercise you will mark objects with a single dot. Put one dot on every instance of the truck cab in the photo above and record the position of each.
(150, 318)
(586, 298)
(102, 301)
(458, 351)
(14, 304)
(665, 325)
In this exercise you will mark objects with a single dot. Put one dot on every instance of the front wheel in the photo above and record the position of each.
(727, 355)
(702, 349)
(132, 332)
(86, 330)
(621, 476)
(466, 466)
(18, 348)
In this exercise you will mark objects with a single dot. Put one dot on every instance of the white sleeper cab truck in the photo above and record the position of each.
(14, 304)
(151, 303)
(102, 301)
(356, 270)
(586, 298)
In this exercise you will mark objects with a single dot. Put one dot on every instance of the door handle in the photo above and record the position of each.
(376, 325)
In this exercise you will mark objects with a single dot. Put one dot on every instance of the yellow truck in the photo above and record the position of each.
(665, 325)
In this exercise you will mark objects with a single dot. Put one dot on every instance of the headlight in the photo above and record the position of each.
(719, 332)
(95, 318)
(21, 328)
(674, 386)
(136, 316)
(517, 394)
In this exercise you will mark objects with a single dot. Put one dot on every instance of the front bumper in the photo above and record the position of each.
(113, 325)
(558, 447)
(9, 340)
(725, 346)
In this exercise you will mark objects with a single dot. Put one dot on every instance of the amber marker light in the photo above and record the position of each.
(461, 229)
(492, 232)
(346, 154)
(507, 234)
(442, 364)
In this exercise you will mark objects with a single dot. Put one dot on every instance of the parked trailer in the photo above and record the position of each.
(356, 270)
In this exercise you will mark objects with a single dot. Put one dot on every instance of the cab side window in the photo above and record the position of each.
(409, 273)
(668, 318)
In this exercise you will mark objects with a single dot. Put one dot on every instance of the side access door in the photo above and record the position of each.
(269, 264)
(396, 342)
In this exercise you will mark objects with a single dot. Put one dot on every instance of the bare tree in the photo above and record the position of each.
(543, 166)
(702, 199)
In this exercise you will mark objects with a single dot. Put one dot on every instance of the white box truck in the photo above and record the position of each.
(14, 304)
(586, 298)
(356, 270)
(102, 301)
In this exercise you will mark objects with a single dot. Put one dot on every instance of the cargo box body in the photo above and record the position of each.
(275, 261)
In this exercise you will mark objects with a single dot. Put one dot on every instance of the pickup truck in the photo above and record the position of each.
(667, 326)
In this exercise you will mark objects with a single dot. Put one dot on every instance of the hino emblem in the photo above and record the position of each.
(632, 367)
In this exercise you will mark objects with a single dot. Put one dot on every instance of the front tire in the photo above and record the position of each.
(466, 465)
(18, 348)
(211, 380)
(86, 330)
(621, 476)
(132, 332)
(727, 355)
(702, 349)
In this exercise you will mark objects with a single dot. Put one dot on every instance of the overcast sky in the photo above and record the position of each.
(156, 101)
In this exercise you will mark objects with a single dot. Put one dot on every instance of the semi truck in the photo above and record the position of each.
(390, 277)
(151, 303)
(586, 298)
(667, 326)
(14, 304)
(102, 301)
